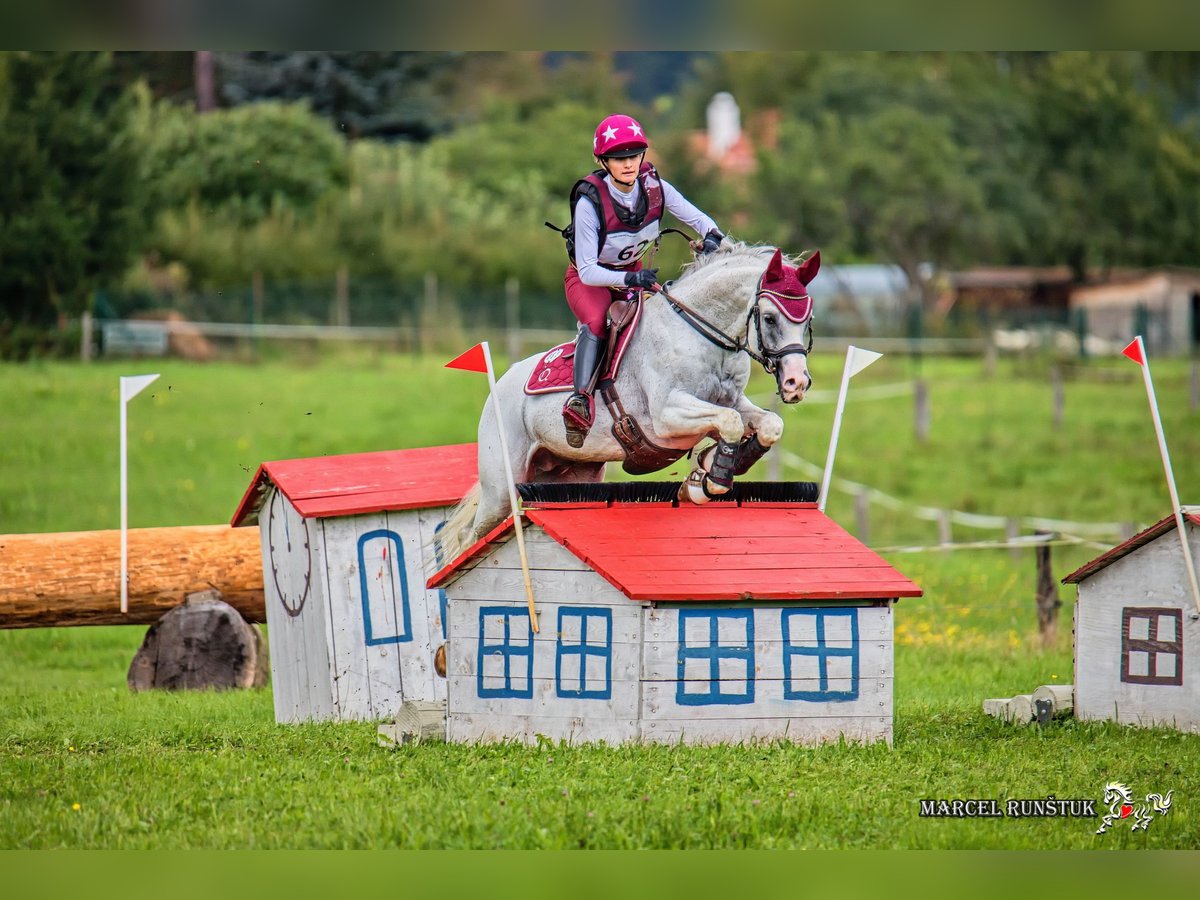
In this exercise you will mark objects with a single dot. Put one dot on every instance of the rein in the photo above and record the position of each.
(768, 359)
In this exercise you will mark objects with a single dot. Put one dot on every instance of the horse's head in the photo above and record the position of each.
(783, 323)
(1115, 792)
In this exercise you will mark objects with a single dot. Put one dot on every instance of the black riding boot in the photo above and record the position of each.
(577, 411)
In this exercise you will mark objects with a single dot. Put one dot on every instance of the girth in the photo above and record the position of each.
(642, 455)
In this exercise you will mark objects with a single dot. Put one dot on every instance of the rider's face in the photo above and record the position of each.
(624, 171)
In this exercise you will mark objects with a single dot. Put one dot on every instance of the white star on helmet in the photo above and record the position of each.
(610, 133)
(636, 129)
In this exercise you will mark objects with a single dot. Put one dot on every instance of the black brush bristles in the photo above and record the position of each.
(663, 492)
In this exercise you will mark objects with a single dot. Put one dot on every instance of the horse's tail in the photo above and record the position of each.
(1159, 802)
(457, 533)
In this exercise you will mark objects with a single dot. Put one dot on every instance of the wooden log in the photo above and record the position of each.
(1020, 709)
(1053, 700)
(996, 706)
(202, 644)
(73, 578)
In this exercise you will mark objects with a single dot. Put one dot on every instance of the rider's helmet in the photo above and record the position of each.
(618, 137)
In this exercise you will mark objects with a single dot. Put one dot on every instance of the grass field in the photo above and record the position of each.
(83, 763)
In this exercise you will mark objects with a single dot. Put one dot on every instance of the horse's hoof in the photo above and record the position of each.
(692, 490)
(715, 488)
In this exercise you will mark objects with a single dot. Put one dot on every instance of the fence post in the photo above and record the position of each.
(341, 296)
(862, 516)
(430, 307)
(512, 315)
(1047, 594)
(257, 304)
(87, 326)
(921, 414)
(945, 533)
(1056, 389)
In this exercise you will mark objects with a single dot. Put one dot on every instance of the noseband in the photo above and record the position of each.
(769, 359)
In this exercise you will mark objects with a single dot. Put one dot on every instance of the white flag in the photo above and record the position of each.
(857, 359)
(132, 385)
(860, 359)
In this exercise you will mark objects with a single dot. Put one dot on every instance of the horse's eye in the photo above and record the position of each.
(768, 320)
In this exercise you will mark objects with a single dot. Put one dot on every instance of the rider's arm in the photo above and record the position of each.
(681, 208)
(587, 248)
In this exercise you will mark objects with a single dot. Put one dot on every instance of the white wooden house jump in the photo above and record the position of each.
(1137, 631)
(723, 623)
(351, 625)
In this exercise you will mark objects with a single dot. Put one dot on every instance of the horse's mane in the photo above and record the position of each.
(730, 251)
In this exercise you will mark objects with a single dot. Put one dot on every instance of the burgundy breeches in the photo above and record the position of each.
(590, 303)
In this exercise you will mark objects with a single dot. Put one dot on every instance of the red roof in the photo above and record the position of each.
(1157, 530)
(364, 482)
(721, 551)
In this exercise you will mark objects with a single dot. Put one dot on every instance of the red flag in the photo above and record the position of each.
(1134, 351)
(472, 361)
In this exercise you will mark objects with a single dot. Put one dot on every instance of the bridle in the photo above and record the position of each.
(769, 359)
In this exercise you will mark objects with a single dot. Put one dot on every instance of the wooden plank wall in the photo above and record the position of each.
(299, 653)
(1151, 577)
(643, 701)
(354, 653)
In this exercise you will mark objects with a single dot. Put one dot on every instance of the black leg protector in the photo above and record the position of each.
(749, 451)
(721, 471)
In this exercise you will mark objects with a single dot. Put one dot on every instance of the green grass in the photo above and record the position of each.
(214, 770)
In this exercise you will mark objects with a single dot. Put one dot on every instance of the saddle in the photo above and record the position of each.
(554, 373)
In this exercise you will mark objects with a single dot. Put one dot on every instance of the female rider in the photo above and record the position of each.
(615, 215)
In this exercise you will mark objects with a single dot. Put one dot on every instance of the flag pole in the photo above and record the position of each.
(1180, 524)
(131, 386)
(512, 489)
(823, 497)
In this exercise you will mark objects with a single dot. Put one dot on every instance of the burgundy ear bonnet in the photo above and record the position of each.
(788, 286)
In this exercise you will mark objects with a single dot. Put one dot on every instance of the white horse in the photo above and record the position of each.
(683, 377)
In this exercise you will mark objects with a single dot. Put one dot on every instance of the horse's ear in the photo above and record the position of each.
(808, 269)
(775, 267)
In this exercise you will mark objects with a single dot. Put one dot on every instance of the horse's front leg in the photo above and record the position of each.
(686, 416)
(763, 430)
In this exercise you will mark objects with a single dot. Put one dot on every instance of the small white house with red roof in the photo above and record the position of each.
(1137, 630)
(352, 628)
(734, 621)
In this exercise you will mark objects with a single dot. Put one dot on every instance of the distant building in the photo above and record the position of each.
(1163, 305)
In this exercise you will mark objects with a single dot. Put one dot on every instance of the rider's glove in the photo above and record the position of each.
(712, 241)
(642, 278)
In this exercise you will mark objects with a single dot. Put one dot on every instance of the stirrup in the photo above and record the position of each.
(578, 415)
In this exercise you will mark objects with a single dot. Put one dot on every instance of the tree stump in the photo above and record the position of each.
(202, 643)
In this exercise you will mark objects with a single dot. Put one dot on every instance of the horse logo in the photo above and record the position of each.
(1119, 800)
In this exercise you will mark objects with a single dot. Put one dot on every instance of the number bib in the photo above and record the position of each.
(622, 248)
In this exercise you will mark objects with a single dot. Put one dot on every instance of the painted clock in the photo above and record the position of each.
(289, 553)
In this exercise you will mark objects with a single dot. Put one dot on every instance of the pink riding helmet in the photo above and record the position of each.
(618, 137)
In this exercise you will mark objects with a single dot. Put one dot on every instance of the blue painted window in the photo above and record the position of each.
(820, 654)
(716, 657)
(383, 583)
(505, 652)
(583, 666)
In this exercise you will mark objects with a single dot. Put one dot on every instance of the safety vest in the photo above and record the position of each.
(625, 235)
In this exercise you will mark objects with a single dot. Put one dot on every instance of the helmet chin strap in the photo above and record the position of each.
(604, 162)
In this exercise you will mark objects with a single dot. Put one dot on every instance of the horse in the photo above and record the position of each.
(683, 377)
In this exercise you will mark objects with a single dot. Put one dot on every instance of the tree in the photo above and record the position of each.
(244, 162)
(389, 95)
(73, 209)
(1119, 177)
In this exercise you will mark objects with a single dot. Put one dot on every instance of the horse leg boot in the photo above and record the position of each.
(578, 411)
(749, 451)
(713, 474)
